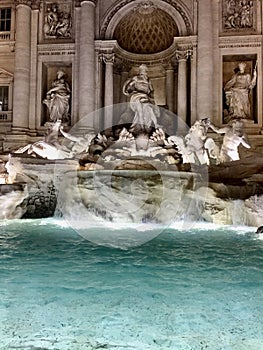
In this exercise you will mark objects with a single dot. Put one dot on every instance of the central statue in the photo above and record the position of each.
(140, 91)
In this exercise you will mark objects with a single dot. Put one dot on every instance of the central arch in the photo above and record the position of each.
(174, 9)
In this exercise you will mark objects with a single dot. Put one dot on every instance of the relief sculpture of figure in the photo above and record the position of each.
(57, 23)
(57, 99)
(237, 91)
(140, 90)
(238, 14)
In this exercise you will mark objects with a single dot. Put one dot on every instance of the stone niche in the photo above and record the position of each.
(230, 68)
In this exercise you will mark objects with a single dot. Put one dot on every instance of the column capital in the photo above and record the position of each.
(108, 58)
(168, 66)
(78, 3)
(183, 55)
(35, 4)
(24, 2)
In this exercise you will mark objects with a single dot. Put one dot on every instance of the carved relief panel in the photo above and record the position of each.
(57, 21)
(238, 15)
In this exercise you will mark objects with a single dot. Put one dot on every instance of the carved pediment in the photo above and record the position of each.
(5, 76)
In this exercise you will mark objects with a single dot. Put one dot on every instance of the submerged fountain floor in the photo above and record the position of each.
(197, 289)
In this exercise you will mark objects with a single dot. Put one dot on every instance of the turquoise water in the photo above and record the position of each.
(197, 289)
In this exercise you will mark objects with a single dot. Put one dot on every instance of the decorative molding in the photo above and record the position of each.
(173, 3)
(130, 59)
(244, 41)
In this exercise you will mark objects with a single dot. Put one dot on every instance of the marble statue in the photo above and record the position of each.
(140, 91)
(80, 143)
(57, 99)
(50, 147)
(196, 147)
(237, 93)
(234, 136)
(13, 167)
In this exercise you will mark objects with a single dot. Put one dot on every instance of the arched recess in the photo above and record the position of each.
(169, 66)
(176, 9)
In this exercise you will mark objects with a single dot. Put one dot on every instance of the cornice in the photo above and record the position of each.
(111, 46)
(240, 41)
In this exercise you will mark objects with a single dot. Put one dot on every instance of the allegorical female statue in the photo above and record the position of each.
(57, 99)
(237, 91)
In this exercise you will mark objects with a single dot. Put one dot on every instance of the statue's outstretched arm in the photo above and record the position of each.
(244, 142)
(218, 130)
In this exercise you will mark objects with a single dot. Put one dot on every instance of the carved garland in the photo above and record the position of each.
(126, 2)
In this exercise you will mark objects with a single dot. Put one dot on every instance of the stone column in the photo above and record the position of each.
(99, 117)
(87, 59)
(205, 59)
(22, 66)
(182, 84)
(108, 90)
(33, 72)
(169, 80)
(76, 75)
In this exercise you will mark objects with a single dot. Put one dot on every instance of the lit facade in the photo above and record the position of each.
(191, 48)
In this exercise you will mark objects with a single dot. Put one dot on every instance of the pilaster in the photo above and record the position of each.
(87, 59)
(182, 57)
(205, 59)
(108, 59)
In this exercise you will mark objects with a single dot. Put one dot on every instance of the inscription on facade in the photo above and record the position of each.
(57, 53)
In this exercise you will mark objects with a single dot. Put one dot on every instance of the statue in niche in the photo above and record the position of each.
(238, 14)
(140, 90)
(234, 136)
(237, 91)
(57, 99)
(57, 23)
